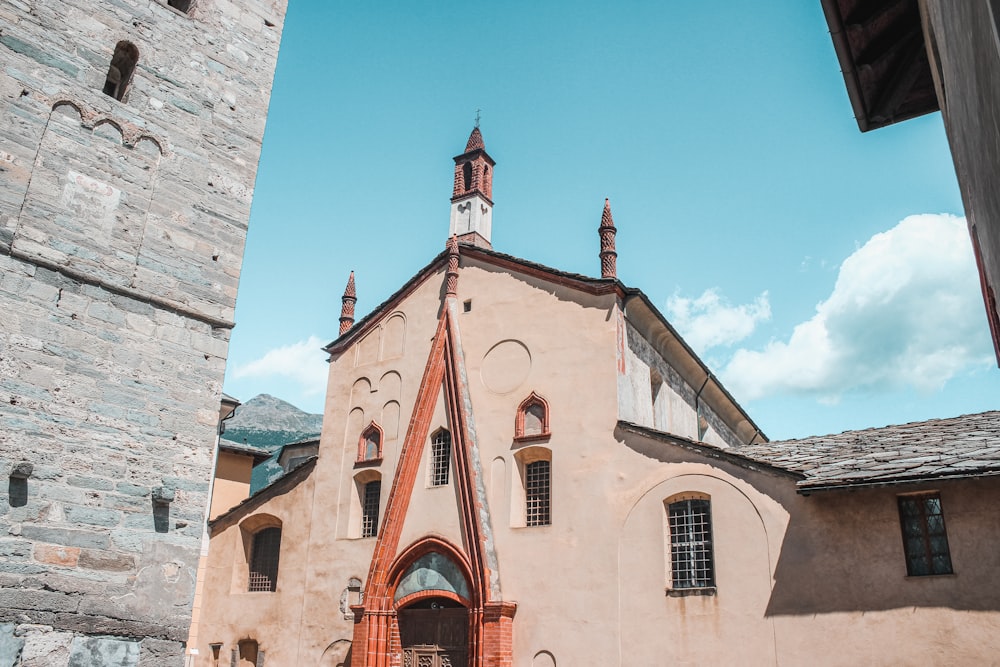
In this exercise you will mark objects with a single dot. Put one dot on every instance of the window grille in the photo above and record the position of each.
(537, 492)
(925, 541)
(440, 458)
(264, 560)
(369, 509)
(691, 558)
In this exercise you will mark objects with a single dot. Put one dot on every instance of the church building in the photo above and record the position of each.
(524, 466)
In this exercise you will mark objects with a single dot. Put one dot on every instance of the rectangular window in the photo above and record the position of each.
(440, 458)
(537, 493)
(925, 541)
(264, 560)
(369, 510)
(691, 559)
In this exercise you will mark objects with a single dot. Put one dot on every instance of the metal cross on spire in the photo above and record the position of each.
(477, 117)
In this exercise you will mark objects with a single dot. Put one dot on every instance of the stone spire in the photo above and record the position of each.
(451, 282)
(347, 306)
(607, 233)
(471, 197)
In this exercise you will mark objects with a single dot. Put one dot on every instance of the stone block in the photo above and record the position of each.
(103, 652)
(93, 516)
(160, 653)
(57, 555)
(68, 537)
(10, 646)
(46, 649)
(106, 560)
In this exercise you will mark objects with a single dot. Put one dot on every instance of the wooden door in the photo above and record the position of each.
(434, 637)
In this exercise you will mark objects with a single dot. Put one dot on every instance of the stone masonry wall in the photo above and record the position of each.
(122, 227)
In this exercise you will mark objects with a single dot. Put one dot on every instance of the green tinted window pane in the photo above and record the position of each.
(909, 508)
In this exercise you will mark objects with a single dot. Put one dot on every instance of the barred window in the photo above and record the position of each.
(440, 458)
(925, 541)
(691, 559)
(369, 508)
(264, 560)
(537, 493)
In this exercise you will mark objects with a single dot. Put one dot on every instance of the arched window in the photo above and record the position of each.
(692, 559)
(440, 458)
(532, 421)
(264, 560)
(182, 5)
(467, 177)
(248, 653)
(122, 68)
(370, 444)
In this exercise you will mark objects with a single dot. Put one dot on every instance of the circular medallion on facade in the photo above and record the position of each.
(505, 367)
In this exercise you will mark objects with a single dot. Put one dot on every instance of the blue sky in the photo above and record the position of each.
(823, 273)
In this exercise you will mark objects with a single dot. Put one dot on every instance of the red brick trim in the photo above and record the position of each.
(363, 439)
(522, 409)
(376, 637)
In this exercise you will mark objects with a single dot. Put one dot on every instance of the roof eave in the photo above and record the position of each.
(806, 488)
(284, 483)
(632, 292)
(709, 451)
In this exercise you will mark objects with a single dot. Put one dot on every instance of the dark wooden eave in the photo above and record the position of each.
(883, 57)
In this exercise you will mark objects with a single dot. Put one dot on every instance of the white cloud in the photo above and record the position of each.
(906, 310)
(303, 362)
(709, 321)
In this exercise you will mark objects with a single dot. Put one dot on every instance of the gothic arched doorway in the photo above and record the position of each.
(434, 632)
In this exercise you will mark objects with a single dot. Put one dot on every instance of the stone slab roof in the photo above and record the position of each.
(959, 447)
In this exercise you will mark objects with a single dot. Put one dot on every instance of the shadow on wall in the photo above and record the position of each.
(843, 551)
(337, 654)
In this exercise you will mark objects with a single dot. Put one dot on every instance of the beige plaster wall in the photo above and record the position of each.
(232, 482)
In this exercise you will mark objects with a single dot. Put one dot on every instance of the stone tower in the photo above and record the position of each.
(129, 139)
(472, 196)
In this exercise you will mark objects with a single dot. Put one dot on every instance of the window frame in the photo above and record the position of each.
(538, 501)
(439, 462)
(373, 428)
(370, 506)
(925, 537)
(533, 400)
(684, 575)
(262, 568)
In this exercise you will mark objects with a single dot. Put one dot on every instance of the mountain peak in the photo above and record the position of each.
(270, 414)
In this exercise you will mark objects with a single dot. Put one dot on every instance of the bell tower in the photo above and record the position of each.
(471, 198)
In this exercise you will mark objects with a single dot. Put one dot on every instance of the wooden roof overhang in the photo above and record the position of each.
(883, 56)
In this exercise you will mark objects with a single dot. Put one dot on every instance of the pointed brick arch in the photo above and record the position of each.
(370, 443)
(533, 406)
(413, 553)
(376, 632)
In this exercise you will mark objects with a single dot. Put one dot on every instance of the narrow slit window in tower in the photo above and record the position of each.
(120, 71)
